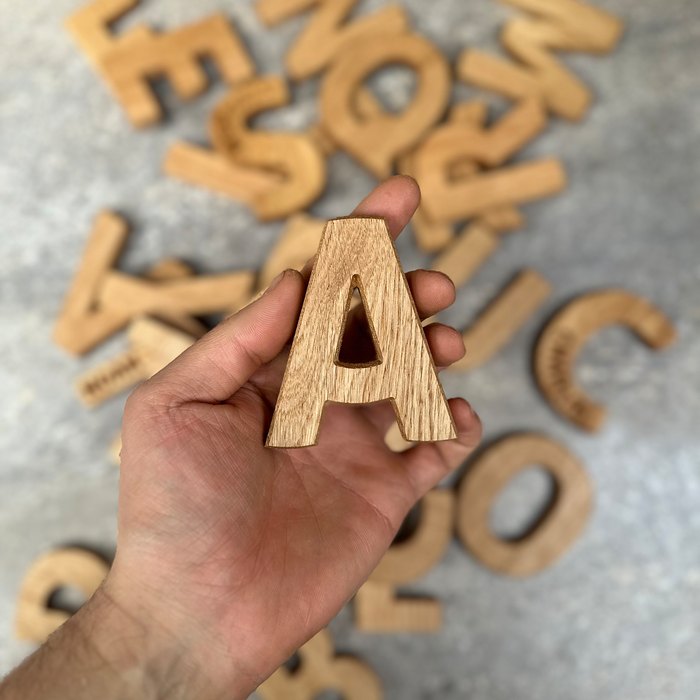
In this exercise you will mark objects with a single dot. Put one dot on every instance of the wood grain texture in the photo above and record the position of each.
(90, 28)
(376, 143)
(327, 35)
(498, 323)
(82, 324)
(467, 253)
(359, 252)
(377, 607)
(515, 184)
(565, 335)
(557, 529)
(201, 295)
(209, 169)
(558, 25)
(295, 156)
(174, 55)
(295, 247)
(70, 566)
(320, 670)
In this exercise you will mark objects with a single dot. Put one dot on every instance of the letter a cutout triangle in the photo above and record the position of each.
(359, 252)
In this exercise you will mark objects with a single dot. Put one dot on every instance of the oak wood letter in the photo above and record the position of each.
(359, 252)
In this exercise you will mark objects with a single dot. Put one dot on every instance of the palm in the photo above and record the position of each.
(255, 526)
(247, 544)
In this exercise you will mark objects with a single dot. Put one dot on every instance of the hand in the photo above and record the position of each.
(231, 555)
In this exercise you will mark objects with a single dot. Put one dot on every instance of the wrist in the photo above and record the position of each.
(149, 654)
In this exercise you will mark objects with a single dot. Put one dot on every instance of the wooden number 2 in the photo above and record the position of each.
(321, 670)
(377, 609)
(550, 538)
(564, 336)
(56, 569)
(376, 143)
(359, 253)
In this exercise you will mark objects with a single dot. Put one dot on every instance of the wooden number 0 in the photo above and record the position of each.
(550, 538)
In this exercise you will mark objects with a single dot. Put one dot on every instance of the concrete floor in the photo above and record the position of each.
(619, 616)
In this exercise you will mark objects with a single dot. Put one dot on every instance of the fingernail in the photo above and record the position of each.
(275, 281)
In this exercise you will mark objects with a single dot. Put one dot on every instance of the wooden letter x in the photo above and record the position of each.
(359, 253)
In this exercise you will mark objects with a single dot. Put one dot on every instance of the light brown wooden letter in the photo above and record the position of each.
(359, 253)
(297, 157)
(559, 25)
(325, 37)
(56, 569)
(557, 529)
(377, 142)
(174, 55)
(564, 336)
(377, 608)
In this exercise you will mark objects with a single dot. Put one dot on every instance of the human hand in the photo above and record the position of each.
(233, 554)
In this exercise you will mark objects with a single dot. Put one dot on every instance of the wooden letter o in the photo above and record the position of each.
(377, 141)
(559, 527)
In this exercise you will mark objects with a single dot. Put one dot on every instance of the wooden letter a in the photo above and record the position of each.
(359, 252)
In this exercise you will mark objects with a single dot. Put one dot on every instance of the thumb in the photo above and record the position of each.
(218, 365)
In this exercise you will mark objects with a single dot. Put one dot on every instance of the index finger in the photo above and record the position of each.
(395, 199)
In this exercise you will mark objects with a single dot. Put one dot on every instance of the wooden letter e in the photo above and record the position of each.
(359, 252)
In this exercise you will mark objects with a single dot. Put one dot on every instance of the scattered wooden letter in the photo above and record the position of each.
(564, 336)
(198, 296)
(152, 346)
(377, 142)
(515, 184)
(209, 169)
(502, 319)
(557, 529)
(320, 670)
(559, 25)
(359, 252)
(295, 156)
(175, 55)
(70, 566)
(325, 37)
(469, 251)
(89, 27)
(459, 144)
(82, 324)
(377, 608)
(296, 246)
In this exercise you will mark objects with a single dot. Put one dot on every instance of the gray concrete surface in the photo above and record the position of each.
(619, 616)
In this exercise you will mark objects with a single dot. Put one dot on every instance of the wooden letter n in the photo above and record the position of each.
(359, 252)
